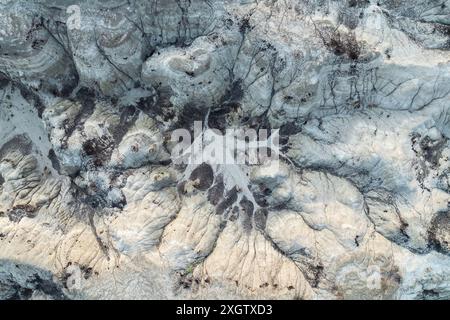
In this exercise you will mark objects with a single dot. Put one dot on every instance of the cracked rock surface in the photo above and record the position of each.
(92, 205)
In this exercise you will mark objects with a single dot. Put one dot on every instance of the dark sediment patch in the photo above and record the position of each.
(158, 105)
(54, 160)
(17, 213)
(247, 208)
(204, 174)
(261, 218)
(234, 215)
(33, 98)
(432, 150)
(87, 99)
(180, 188)
(99, 149)
(215, 193)
(439, 233)
(230, 199)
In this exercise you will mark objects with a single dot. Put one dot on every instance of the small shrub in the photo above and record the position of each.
(341, 43)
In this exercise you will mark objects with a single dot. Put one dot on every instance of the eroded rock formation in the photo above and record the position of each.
(93, 207)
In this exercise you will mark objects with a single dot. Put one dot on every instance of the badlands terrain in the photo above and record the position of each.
(93, 206)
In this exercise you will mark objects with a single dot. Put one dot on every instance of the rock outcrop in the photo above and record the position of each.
(93, 204)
